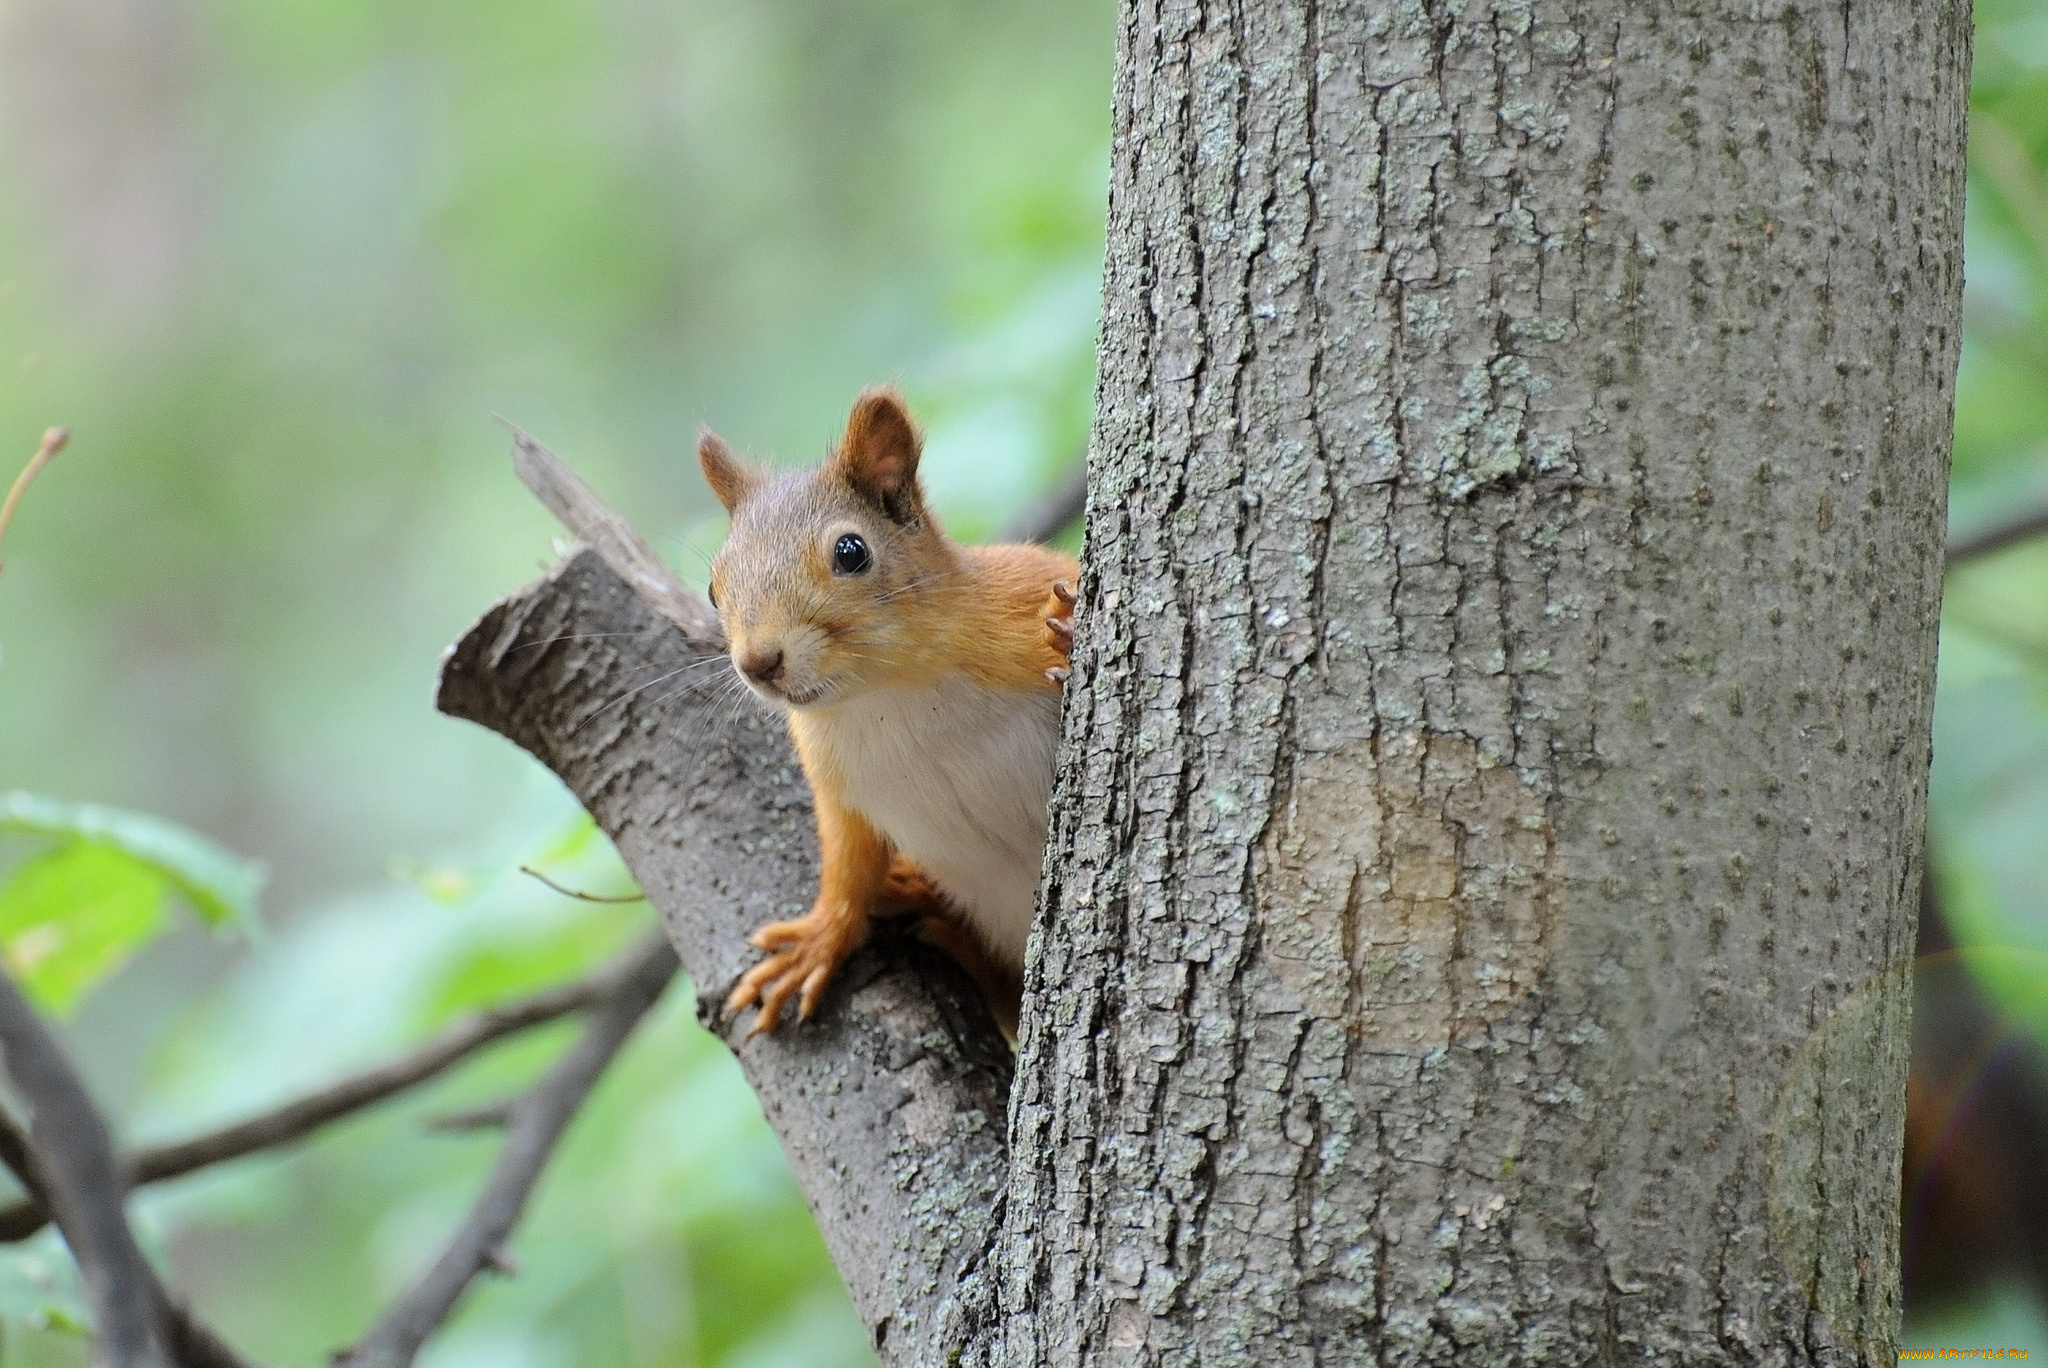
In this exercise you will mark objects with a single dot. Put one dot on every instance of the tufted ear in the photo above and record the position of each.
(878, 454)
(731, 479)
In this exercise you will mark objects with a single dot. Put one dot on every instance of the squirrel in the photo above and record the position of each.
(921, 681)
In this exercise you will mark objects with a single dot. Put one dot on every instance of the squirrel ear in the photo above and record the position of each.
(730, 478)
(878, 455)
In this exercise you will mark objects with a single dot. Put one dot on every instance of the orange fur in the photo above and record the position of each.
(878, 454)
(931, 615)
(729, 477)
(1009, 646)
(1000, 987)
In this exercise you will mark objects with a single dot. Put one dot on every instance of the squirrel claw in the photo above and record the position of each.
(1059, 628)
(771, 983)
(803, 956)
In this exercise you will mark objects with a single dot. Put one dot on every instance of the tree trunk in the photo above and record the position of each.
(1483, 870)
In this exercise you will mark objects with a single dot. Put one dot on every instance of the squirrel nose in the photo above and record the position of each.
(764, 668)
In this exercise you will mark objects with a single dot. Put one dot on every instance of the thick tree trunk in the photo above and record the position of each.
(1484, 865)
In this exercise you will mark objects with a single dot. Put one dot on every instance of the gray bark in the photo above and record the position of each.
(1483, 870)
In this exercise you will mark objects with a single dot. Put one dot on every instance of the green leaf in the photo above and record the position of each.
(219, 886)
(71, 916)
(57, 1318)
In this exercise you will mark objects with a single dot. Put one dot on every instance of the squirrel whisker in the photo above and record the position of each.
(640, 689)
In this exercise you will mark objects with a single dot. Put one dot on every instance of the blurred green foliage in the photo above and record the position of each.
(71, 916)
(1989, 797)
(276, 264)
(1990, 789)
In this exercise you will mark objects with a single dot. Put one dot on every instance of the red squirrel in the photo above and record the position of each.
(921, 681)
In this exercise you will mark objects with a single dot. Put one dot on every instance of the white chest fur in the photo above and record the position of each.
(957, 777)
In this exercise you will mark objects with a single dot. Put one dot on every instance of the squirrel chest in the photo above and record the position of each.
(957, 776)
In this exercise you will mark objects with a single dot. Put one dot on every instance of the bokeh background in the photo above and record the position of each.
(277, 262)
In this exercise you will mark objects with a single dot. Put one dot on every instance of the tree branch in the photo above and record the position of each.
(298, 1118)
(53, 442)
(537, 1121)
(622, 994)
(192, 1345)
(577, 507)
(891, 1104)
(1046, 519)
(578, 893)
(2028, 522)
(71, 1160)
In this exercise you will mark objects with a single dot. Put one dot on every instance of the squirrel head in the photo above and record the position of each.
(832, 579)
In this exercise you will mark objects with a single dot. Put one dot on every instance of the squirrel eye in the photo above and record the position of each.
(850, 556)
(711, 592)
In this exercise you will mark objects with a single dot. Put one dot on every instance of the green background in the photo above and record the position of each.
(276, 262)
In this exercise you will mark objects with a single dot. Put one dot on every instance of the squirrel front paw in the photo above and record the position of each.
(1059, 629)
(803, 956)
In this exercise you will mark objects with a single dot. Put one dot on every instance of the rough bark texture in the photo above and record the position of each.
(890, 1105)
(1484, 866)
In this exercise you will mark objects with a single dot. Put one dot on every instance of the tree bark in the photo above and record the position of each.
(1483, 869)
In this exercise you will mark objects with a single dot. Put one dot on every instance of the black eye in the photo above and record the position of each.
(850, 556)
(711, 592)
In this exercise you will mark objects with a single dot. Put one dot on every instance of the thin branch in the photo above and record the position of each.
(579, 509)
(490, 1116)
(578, 894)
(53, 442)
(293, 1120)
(2028, 522)
(71, 1157)
(1046, 519)
(19, 1157)
(192, 1345)
(621, 993)
(537, 1121)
